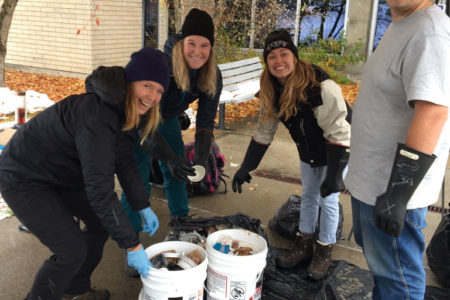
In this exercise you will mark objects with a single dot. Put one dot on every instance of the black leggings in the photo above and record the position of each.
(49, 215)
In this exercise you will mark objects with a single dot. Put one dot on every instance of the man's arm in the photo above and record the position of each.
(426, 126)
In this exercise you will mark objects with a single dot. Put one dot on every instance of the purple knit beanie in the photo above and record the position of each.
(148, 64)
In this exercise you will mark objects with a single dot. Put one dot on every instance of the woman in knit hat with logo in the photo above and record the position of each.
(194, 75)
(310, 105)
(61, 165)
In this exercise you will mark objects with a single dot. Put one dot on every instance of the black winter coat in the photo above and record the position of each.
(78, 143)
(175, 101)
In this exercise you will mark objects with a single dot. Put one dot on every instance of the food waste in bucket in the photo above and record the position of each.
(178, 272)
(174, 261)
(236, 261)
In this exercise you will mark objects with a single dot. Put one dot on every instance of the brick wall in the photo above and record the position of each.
(62, 37)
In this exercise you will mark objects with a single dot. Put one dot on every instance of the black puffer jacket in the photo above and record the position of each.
(78, 143)
(175, 101)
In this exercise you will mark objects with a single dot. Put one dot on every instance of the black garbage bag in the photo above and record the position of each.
(438, 252)
(343, 281)
(238, 220)
(286, 219)
(436, 293)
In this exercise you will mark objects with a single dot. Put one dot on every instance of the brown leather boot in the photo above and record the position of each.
(301, 250)
(90, 295)
(321, 262)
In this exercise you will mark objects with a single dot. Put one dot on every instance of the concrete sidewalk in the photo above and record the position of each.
(21, 254)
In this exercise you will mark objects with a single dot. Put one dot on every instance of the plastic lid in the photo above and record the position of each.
(199, 173)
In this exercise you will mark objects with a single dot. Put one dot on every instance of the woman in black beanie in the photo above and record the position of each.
(194, 75)
(61, 165)
(310, 105)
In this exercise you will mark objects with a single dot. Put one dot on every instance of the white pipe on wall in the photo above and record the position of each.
(373, 26)
(297, 22)
(346, 16)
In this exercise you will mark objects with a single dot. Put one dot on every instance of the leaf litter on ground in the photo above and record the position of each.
(59, 87)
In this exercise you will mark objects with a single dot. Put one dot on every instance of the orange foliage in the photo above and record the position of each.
(350, 91)
(56, 87)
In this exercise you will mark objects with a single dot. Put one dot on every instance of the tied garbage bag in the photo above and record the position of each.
(287, 218)
(438, 252)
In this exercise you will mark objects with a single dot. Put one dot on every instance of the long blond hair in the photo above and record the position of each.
(294, 90)
(132, 117)
(207, 82)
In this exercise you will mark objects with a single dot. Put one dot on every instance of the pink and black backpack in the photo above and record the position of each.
(214, 171)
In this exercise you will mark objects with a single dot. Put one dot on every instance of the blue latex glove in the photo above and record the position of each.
(139, 261)
(151, 223)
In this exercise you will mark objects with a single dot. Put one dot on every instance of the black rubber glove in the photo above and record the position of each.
(408, 170)
(203, 141)
(158, 148)
(253, 157)
(337, 159)
(184, 120)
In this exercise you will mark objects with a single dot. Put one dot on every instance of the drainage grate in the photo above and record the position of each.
(438, 209)
(281, 178)
(293, 180)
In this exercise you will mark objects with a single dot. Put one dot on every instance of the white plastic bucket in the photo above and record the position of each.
(235, 277)
(162, 284)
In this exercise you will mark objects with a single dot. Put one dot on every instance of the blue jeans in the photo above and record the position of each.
(312, 178)
(396, 263)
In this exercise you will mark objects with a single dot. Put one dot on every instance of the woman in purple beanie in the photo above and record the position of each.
(61, 165)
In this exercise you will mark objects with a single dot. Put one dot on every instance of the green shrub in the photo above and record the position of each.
(332, 55)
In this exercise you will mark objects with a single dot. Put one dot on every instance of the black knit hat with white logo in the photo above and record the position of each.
(198, 22)
(279, 39)
(148, 64)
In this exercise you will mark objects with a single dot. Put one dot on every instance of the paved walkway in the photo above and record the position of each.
(21, 254)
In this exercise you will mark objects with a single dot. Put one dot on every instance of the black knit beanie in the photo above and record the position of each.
(198, 22)
(279, 39)
(148, 64)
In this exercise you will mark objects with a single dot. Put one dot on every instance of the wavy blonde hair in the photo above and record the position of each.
(207, 82)
(132, 117)
(294, 90)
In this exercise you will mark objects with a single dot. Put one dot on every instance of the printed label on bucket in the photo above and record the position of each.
(257, 295)
(147, 297)
(217, 283)
(237, 290)
(195, 296)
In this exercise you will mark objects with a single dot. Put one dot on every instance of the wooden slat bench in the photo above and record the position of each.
(240, 83)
